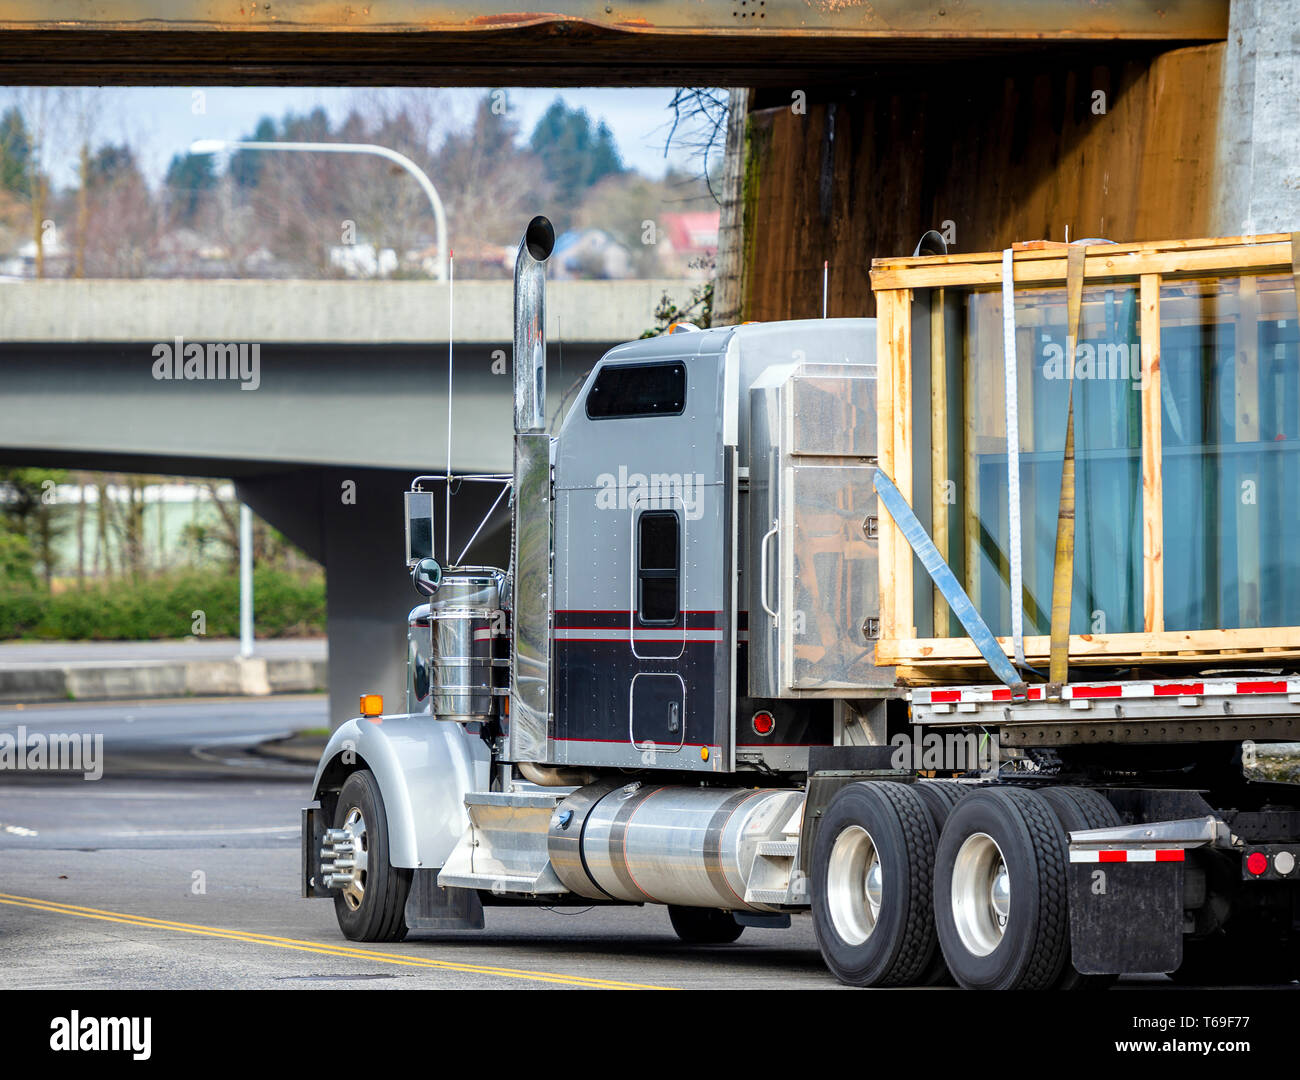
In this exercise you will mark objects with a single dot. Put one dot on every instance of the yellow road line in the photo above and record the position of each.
(344, 951)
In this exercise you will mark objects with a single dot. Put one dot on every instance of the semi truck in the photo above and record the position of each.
(674, 694)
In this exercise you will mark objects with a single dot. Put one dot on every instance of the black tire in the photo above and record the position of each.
(1078, 808)
(939, 796)
(380, 913)
(895, 945)
(704, 926)
(1031, 948)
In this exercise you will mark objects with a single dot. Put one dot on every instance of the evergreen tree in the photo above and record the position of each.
(28, 510)
(246, 165)
(15, 153)
(574, 156)
(188, 177)
(112, 164)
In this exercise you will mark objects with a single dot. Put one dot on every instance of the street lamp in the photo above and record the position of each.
(216, 146)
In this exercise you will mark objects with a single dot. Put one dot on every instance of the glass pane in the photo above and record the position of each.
(1108, 490)
(638, 390)
(659, 599)
(658, 558)
(658, 540)
(1230, 422)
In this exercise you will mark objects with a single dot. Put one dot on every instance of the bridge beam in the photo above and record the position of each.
(577, 42)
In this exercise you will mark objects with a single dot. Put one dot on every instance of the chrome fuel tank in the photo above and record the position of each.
(693, 846)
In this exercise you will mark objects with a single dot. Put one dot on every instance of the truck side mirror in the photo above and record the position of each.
(426, 576)
(419, 526)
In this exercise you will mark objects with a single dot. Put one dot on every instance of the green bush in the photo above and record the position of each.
(284, 605)
(16, 561)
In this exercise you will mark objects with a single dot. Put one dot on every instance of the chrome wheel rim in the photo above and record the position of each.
(981, 894)
(354, 890)
(854, 885)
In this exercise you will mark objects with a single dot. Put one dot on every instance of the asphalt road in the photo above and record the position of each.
(185, 739)
(179, 869)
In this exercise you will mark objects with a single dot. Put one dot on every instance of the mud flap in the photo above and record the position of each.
(1126, 917)
(313, 837)
(432, 907)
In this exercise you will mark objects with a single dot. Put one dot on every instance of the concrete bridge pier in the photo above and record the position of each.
(351, 521)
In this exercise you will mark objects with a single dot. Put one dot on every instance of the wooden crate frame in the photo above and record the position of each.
(895, 283)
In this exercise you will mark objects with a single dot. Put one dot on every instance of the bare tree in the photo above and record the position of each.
(44, 109)
(85, 105)
(699, 124)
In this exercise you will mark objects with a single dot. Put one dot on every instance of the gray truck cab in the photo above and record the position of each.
(669, 470)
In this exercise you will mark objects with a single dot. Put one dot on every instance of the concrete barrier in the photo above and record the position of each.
(254, 677)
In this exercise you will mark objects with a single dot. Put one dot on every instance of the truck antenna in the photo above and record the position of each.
(826, 278)
(451, 312)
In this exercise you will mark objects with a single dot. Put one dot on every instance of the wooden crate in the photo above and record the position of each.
(907, 288)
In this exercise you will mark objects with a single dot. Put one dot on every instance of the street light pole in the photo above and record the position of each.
(215, 146)
(245, 581)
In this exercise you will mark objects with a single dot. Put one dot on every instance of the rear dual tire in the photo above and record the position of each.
(1076, 809)
(1000, 892)
(873, 862)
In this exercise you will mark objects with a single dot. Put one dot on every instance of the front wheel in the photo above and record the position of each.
(370, 902)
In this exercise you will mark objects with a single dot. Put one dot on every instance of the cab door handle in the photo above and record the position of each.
(762, 572)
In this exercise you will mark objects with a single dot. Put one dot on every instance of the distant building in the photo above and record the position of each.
(688, 244)
(22, 263)
(475, 260)
(590, 253)
(178, 525)
(363, 260)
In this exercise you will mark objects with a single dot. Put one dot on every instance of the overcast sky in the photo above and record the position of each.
(162, 121)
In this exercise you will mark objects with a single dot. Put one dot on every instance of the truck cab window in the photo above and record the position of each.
(658, 566)
(657, 389)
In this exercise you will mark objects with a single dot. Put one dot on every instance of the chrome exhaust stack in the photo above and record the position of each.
(530, 325)
(531, 536)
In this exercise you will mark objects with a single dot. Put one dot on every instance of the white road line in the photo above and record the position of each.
(212, 831)
(80, 794)
(18, 830)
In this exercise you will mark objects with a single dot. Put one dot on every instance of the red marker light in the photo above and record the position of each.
(1256, 862)
(763, 723)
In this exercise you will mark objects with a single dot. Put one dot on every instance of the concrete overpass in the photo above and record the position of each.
(347, 403)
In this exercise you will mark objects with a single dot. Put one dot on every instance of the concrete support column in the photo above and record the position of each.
(351, 520)
(1258, 153)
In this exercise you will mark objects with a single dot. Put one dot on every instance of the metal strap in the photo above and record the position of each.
(946, 582)
(1010, 389)
(1295, 267)
(1063, 562)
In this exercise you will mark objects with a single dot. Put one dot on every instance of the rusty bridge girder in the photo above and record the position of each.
(575, 42)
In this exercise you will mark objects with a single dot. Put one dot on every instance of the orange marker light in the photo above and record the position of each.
(372, 705)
